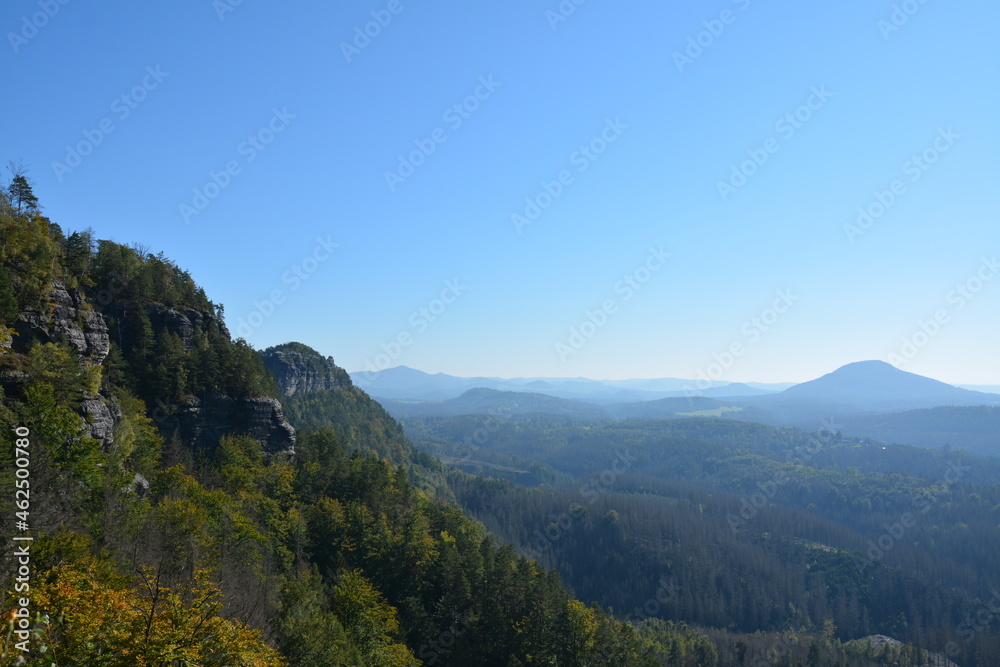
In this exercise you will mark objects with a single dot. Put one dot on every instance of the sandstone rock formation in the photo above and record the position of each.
(299, 369)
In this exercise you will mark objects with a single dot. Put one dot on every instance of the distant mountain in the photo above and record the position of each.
(409, 383)
(771, 386)
(675, 386)
(405, 383)
(863, 397)
(735, 389)
(880, 387)
(503, 404)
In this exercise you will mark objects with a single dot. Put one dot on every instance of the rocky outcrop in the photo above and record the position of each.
(200, 423)
(71, 320)
(185, 323)
(102, 413)
(300, 369)
(927, 658)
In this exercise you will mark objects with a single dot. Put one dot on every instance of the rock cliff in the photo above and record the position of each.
(185, 323)
(299, 369)
(199, 422)
(70, 319)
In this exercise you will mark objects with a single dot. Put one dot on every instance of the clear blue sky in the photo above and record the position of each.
(201, 78)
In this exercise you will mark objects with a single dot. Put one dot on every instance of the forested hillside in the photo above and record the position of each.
(750, 527)
(177, 517)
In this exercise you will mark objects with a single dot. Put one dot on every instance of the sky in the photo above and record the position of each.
(734, 189)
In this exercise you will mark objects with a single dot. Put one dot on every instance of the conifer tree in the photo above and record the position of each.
(21, 195)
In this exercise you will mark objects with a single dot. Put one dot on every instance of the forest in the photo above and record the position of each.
(754, 527)
(641, 543)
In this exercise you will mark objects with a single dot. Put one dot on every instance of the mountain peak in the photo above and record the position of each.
(879, 385)
(873, 365)
(298, 368)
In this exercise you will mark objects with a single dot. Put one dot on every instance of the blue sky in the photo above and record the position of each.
(255, 144)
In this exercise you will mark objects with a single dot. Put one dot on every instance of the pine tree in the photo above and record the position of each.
(21, 195)
(78, 252)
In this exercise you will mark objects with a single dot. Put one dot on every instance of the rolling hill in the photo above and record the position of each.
(876, 386)
(501, 404)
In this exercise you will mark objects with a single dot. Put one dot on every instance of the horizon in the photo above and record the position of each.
(718, 382)
(674, 327)
(774, 188)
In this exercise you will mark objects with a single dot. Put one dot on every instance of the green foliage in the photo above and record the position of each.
(57, 366)
(351, 553)
(85, 619)
(760, 528)
(311, 362)
(30, 254)
(77, 253)
(137, 442)
(364, 425)
(244, 372)
(239, 460)
(22, 197)
(354, 416)
(308, 633)
(138, 276)
(6, 342)
(8, 298)
(62, 433)
(369, 621)
(156, 362)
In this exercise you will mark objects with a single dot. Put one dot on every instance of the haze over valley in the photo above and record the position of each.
(507, 334)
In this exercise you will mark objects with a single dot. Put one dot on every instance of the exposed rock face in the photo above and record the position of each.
(183, 322)
(200, 423)
(299, 369)
(102, 413)
(70, 321)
